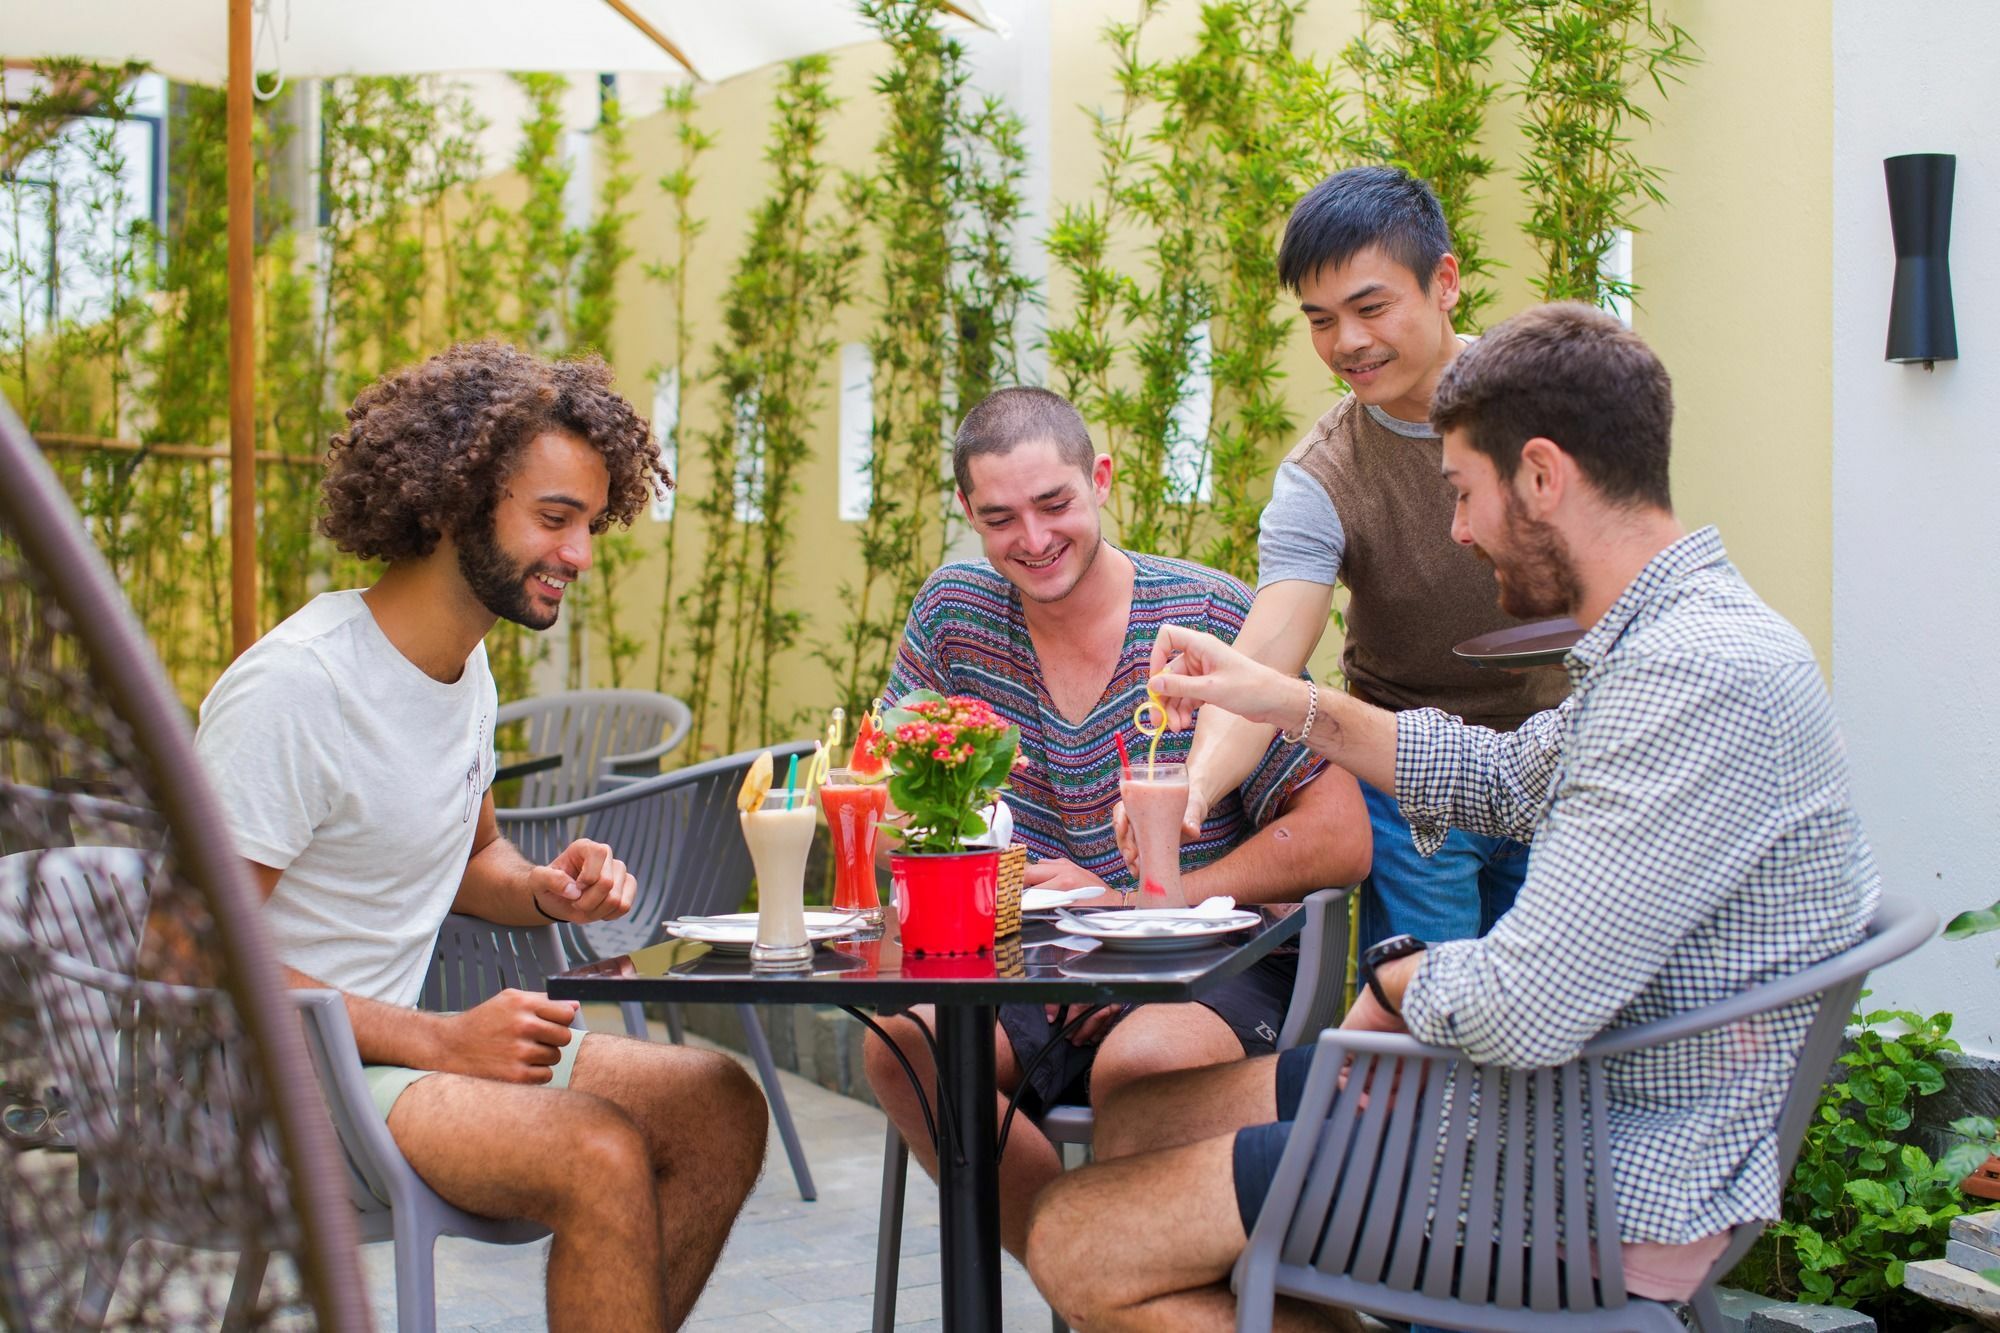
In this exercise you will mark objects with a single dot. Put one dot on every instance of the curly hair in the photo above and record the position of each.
(428, 448)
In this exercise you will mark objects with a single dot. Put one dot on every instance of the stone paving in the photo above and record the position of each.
(808, 1267)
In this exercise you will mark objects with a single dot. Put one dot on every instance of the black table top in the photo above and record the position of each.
(874, 973)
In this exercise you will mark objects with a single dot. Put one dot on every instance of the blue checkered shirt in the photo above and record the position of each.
(1693, 835)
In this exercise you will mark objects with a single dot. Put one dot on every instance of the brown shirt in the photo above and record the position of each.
(1413, 591)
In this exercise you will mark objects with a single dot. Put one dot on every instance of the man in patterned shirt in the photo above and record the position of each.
(1693, 836)
(1052, 630)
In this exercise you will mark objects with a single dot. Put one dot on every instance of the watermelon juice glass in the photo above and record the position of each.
(853, 808)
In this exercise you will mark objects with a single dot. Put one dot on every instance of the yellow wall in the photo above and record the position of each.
(1733, 276)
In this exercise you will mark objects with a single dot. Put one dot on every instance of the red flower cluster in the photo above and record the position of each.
(950, 731)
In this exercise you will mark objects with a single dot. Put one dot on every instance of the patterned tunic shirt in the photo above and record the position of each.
(1693, 836)
(967, 635)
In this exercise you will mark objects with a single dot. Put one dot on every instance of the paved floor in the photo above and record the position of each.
(790, 1265)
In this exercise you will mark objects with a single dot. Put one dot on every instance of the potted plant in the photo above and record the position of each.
(948, 758)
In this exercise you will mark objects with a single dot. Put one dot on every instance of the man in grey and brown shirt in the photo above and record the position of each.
(1360, 502)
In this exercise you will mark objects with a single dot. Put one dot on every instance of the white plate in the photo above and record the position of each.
(1157, 928)
(1047, 900)
(735, 932)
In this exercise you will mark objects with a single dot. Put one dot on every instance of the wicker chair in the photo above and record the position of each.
(138, 982)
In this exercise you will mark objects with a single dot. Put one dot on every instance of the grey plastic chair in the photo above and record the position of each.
(1519, 1156)
(473, 960)
(597, 732)
(1319, 998)
(678, 835)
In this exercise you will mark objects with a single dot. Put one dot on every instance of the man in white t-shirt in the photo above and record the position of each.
(353, 748)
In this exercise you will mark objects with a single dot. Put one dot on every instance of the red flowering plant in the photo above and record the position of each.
(948, 759)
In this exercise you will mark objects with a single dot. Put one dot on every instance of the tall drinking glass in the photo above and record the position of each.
(779, 833)
(1155, 796)
(852, 809)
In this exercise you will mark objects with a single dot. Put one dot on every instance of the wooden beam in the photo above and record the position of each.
(242, 342)
(654, 35)
(98, 444)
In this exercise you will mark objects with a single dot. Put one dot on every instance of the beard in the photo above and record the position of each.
(1536, 575)
(501, 583)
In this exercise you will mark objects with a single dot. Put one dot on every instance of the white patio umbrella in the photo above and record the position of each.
(187, 39)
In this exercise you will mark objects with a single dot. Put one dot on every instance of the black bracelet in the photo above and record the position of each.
(536, 899)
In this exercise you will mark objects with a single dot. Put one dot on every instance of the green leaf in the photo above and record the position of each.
(1976, 922)
(1872, 1194)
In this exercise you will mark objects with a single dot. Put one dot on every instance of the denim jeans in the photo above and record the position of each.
(1455, 895)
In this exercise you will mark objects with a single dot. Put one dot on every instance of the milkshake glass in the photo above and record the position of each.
(1155, 798)
(852, 809)
(779, 839)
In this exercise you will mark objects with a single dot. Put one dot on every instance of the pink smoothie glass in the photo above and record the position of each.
(1155, 796)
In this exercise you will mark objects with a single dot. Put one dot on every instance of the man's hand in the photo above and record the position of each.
(1093, 1029)
(585, 883)
(1061, 874)
(1366, 1014)
(515, 1037)
(1190, 668)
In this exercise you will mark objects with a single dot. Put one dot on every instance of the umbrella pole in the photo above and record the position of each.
(242, 343)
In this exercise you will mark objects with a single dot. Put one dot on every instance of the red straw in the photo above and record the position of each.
(1124, 760)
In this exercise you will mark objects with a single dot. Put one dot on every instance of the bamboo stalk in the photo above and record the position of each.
(242, 343)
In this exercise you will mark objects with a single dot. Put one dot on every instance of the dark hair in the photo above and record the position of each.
(1572, 374)
(428, 448)
(1359, 207)
(1008, 418)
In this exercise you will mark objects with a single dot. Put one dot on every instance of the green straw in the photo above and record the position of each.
(791, 781)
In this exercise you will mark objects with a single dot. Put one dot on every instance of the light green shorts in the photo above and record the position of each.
(387, 1082)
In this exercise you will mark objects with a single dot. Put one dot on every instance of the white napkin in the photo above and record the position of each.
(1219, 906)
(999, 827)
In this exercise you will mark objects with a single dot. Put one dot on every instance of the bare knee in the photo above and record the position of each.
(884, 1071)
(607, 1166)
(741, 1119)
(1059, 1255)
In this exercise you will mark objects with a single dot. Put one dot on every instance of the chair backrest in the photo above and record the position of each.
(677, 833)
(139, 985)
(474, 960)
(1319, 997)
(1425, 1182)
(595, 731)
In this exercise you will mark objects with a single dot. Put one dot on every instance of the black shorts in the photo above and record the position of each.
(1253, 1003)
(1259, 1147)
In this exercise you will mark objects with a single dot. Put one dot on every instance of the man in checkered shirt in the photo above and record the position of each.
(1692, 832)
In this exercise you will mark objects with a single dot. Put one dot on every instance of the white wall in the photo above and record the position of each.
(1916, 490)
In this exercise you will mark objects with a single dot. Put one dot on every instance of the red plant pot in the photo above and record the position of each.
(944, 900)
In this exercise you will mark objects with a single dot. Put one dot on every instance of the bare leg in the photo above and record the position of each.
(1157, 1038)
(639, 1193)
(705, 1123)
(584, 1174)
(1147, 1242)
(1185, 1106)
(1030, 1161)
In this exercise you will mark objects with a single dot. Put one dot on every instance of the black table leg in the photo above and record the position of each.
(968, 1169)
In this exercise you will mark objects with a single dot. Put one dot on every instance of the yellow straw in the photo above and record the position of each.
(1154, 708)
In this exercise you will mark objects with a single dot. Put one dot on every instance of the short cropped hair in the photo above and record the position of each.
(428, 448)
(1359, 207)
(1008, 418)
(1572, 374)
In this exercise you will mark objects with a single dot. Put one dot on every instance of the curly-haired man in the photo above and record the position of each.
(353, 746)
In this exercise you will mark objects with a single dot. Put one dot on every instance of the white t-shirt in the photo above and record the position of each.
(342, 764)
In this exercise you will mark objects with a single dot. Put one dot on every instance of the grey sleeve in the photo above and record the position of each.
(1299, 535)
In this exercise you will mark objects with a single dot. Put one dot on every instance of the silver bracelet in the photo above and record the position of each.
(1312, 711)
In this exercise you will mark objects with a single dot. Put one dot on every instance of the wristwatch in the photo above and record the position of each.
(1396, 946)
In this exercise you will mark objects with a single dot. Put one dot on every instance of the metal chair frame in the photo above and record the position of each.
(1319, 998)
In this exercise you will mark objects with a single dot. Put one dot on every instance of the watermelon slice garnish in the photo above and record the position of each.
(865, 764)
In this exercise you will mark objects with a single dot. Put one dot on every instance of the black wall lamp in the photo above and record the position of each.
(1921, 327)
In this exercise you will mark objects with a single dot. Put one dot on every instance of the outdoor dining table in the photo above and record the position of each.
(863, 975)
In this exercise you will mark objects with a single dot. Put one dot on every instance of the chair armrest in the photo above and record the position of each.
(372, 1154)
(641, 763)
(1319, 996)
